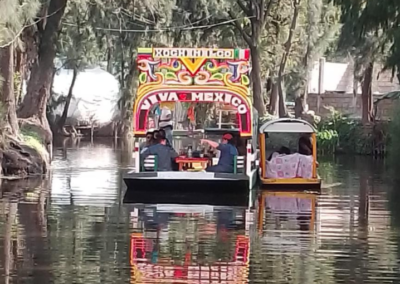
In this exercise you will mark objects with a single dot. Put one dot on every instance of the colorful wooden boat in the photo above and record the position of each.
(172, 76)
(293, 171)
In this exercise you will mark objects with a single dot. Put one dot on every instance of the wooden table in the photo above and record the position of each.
(189, 161)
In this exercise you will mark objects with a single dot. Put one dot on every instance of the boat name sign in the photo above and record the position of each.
(216, 97)
(193, 53)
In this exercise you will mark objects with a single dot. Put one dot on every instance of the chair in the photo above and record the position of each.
(150, 164)
(238, 164)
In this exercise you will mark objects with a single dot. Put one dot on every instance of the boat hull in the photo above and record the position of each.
(187, 182)
(291, 184)
(141, 196)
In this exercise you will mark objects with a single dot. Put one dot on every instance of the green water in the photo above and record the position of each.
(75, 228)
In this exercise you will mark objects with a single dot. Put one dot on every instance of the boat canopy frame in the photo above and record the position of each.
(287, 125)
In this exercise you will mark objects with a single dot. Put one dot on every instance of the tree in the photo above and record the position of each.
(257, 13)
(14, 16)
(285, 57)
(320, 20)
(370, 28)
(76, 48)
(365, 53)
(274, 31)
(41, 76)
(63, 118)
(121, 27)
(7, 88)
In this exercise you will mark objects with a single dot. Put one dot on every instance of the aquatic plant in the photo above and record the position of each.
(340, 133)
(327, 140)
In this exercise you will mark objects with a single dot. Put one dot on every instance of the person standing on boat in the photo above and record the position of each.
(166, 123)
(164, 134)
(165, 154)
(227, 154)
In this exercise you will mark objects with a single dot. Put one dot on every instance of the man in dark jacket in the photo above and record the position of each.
(164, 153)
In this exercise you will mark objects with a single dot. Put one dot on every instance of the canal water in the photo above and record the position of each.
(75, 228)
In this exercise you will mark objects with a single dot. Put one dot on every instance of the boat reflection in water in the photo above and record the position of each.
(189, 244)
(287, 222)
(297, 208)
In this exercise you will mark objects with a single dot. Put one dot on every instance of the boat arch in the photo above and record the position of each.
(201, 94)
(203, 75)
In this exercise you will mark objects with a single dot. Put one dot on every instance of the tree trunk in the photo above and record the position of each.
(63, 119)
(128, 93)
(301, 94)
(110, 50)
(7, 96)
(286, 53)
(109, 60)
(299, 104)
(258, 100)
(38, 91)
(258, 11)
(25, 55)
(367, 102)
(282, 99)
(274, 100)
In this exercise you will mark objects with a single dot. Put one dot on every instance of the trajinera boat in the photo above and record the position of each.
(201, 94)
(292, 164)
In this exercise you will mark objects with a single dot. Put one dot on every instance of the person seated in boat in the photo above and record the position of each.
(166, 123)
(155, 137)
(241, 146)
(227, 154)
(305, 145)
(149, 140)
(164, 153)
(282, 151)
(164, 134)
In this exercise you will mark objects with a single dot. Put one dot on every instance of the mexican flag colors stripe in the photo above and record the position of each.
(242, 54)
